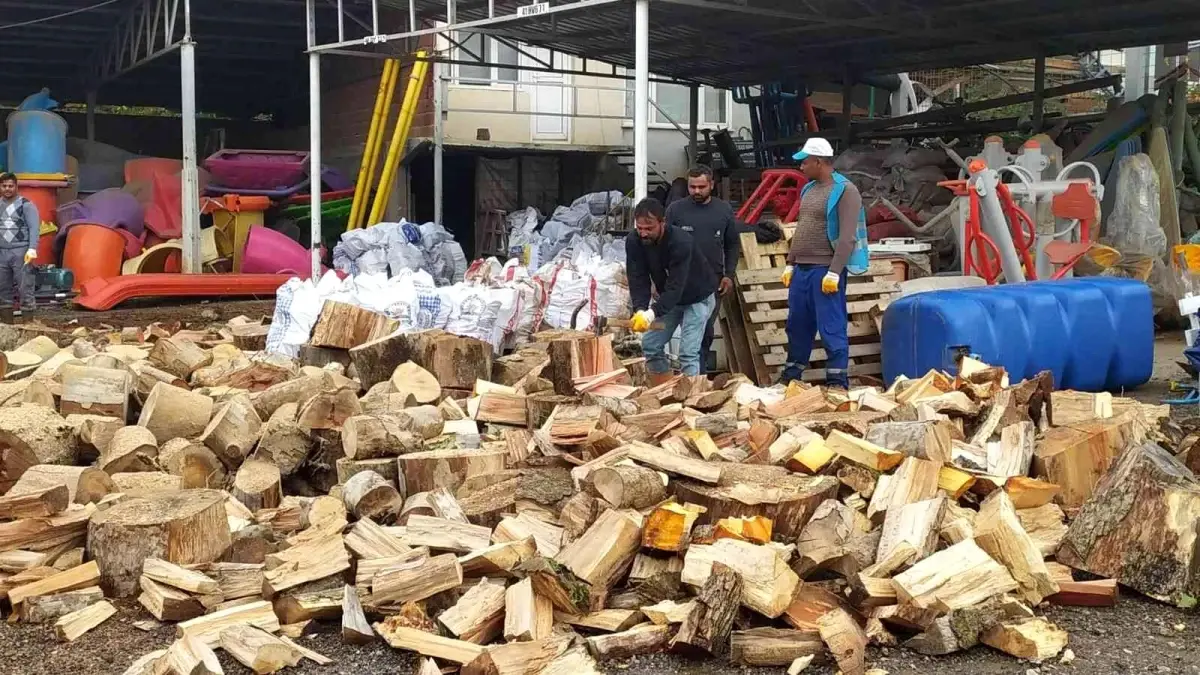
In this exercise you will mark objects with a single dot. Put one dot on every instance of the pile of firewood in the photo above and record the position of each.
(544, 511)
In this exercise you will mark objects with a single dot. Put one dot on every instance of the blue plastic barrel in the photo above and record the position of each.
(37, 142)
(1094, 334)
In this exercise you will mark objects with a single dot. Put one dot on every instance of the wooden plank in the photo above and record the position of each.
(778, 336)
(780, 294)
(818, 354)
(768, 275)
(856, 370)
(858, 309)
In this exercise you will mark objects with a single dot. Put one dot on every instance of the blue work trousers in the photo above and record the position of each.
(691, 320)
(810, 311)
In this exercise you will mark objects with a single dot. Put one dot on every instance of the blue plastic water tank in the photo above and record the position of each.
(37, 142)
(1094, 333)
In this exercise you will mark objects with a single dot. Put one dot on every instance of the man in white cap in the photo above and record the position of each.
(830, 240)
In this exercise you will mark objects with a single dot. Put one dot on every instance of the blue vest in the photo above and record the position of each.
(860, 257)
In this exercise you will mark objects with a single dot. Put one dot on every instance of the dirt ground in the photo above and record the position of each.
(1137, 636)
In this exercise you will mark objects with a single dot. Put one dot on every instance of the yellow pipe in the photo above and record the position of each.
(366, 167)
(378, 142)
(399, 137)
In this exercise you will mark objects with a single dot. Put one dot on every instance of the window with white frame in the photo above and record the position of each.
(673, 99)
(479, 49)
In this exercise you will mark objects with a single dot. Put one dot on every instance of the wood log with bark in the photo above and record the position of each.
(257, 485)
(35, 434)
(767, 583)
(97, 391)
(179, 357)
(743, 490)
(84, 484)
(455, 362)
(171, 412)
(374, 436)
(344, 326)
(131, 449)
(707, 626)
(631, 487)
(368, 495)
(233, 431)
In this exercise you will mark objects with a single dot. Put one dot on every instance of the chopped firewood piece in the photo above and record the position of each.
(45, 502)
(1029, 493)
(415, 580)
(759, 647)
(82, 576)
(293, 608)
(1076, 457)
(1099, 593)
(607, 620)
(810, 603)
(669, 611)
(554, 580)
(516, 658)
(208, 628)
(84, 484)
(637, 640)
(44, 608)
(755, 529)
(1034, 639)
(178, 577)
(813, 456)
(916, 480)
(167, 603)
(304, 563)
(1146, 491)
(446, 535)
(998, 531)
(79, 622)
(923, 440)
(836, 538)
(191, 656)
(368, 495)
(426, 644)
(669, 527)
(846, 640)
(767, 582)
(632, 487)
(549, 538)
(478, 616)
(1013, 453)
(498, 558)
(958, 523)
(914, 524)
(707, 625)
(862, 452)
(355, 629)
(669, 462)
(602, 553)
(258, 650)
(527, 615)
(959, 576)
(367, 539)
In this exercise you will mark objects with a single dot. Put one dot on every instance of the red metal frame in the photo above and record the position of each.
(779, 189)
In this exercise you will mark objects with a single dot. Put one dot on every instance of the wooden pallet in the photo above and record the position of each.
(763, 300)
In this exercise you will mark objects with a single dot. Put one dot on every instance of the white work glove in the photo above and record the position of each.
(640, 323)
(30, 255)
(829, 284)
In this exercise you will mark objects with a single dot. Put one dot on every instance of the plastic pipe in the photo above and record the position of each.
(641, 97)
(399, 138)
(370, 157)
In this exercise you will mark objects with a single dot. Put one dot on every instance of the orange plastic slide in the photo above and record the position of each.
(105, 293)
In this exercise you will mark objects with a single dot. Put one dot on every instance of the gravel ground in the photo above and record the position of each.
(1137, 636)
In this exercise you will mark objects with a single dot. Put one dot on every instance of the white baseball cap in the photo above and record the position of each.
(814, 147)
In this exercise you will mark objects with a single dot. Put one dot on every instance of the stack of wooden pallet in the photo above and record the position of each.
(762, 352)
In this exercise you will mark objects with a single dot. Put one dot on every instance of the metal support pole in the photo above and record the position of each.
(314, 140)
(91, 115)
(641, 97)
(847, 108)
(693, 122)
(439, 132)
(1039, 93)
(190, 198)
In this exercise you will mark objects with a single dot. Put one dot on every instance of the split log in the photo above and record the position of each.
(836, 538)
(1029, 493)
(601, 555)
(478, 616)
(250, 337)
(321, 558)
(500, 407)
(196, 465)
(550, 578)
(669, 527)
(170, 412)
(915, 525)
(627, 644)
(759, 647)
(788, 500)
(146, 377)
(1147, 490)
(1012, 454)
(1099, 593)
(14, 462)
(184, 528)
(36, 434)
(344, 326)
(767, 583)
(424, 420)
(667, 612)
(446, 535)
(355, 629)
(427, 644)
(75, 624)
(959, 576)
(38, 504)
(863, 452)
(707, 626)
(455, 362)
(415, 580)
(40, 534)
(998, 531)
(1076, 457)
(95, 432)
(432, 469)
(283, 442)
(175, 576)
(179, 357)
(293, 608)
(1033, 640)
(97, 391)
(166, 603)
(329, 409)
(80, 576)
(923, 440)
(632, 487)
(498, 559)
(233, 431)
(607, 620)
(574, 354)
(146, 483)
(368, 495)
(846, 641)
(208, 628)
(131, 449)
(1045, 525)
(257, 649)
(916, 480)
(372, 436)
(527, 615)
(46, 608)
(669, 462)
(257, 485)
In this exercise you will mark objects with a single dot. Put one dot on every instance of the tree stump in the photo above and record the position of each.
(172, 412)
(787, 499)
(185, 528)
(455, 362)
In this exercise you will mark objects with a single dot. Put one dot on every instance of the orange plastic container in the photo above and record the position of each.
(93, 251)
(45, 249)
(45, 199)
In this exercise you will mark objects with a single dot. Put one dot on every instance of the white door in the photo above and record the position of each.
(549, 93)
